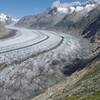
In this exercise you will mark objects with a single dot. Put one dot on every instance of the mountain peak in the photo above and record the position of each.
(7, 19)
(58, 3)
(94, 1)
(69, 8)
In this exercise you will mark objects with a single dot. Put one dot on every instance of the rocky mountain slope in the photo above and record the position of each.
(54, 14)
(41, 21)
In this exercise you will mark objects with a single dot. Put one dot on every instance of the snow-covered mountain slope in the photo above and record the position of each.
(94, 1)
(69, 8)
(7, 19)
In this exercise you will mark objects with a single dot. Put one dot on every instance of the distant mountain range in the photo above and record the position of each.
(55, 14)
(69, 8)
(7, 19)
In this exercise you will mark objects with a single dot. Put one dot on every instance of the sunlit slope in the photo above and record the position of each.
(88, 88)
(3, 31)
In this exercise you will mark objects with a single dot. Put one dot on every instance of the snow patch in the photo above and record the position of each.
(79, 8)
(90, 7)
(63, 10)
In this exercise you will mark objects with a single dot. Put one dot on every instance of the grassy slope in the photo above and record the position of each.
(93, 96)
(88, 88)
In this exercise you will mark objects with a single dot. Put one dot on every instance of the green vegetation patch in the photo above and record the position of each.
(88, 88)
(94, 72)
(94, 96)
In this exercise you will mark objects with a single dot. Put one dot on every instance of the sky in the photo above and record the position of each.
(21, 8)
